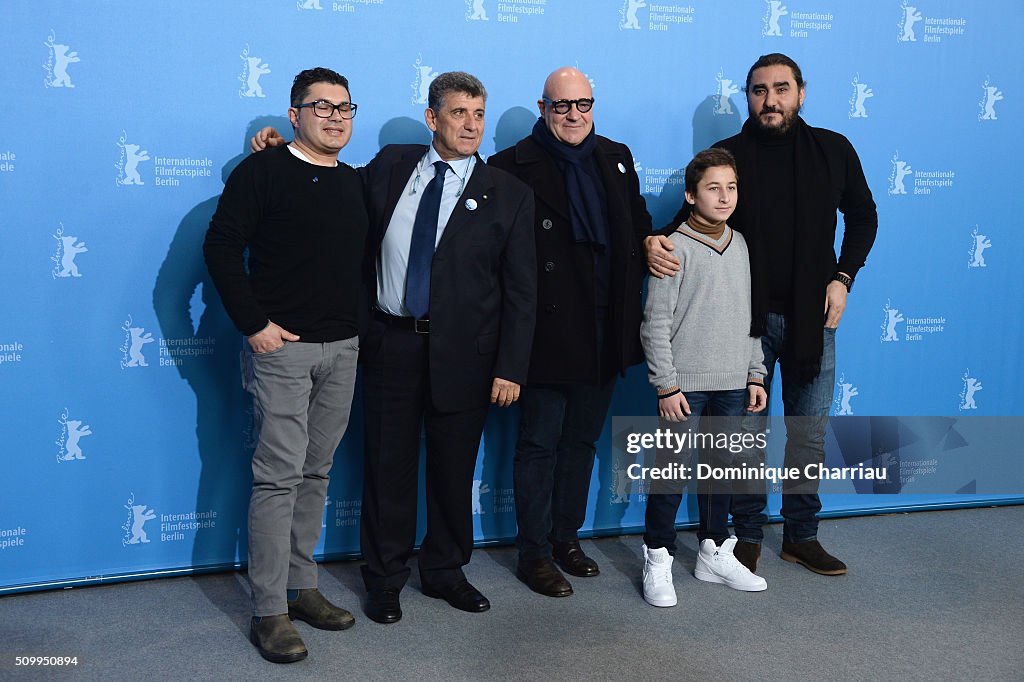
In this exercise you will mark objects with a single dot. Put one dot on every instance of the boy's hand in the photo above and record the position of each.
(673, 408)
(758, 398)
(266, 137)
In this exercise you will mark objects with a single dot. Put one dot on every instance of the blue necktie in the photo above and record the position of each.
(421, 249)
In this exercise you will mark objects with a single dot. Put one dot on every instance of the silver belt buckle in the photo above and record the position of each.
(421, 326)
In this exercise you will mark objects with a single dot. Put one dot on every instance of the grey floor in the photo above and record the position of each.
(933, 595)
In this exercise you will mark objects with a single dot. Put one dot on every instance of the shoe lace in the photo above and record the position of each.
(728, 561)
(660, 572)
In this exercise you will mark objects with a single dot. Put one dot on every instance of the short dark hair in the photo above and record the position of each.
(306, 79)
(776, 59)
(709, 158)
(453, 81)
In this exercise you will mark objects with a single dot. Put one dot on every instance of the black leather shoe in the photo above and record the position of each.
(543, 577)
(276, 639)
(573, 560)
(311, 606)
(382, 606)
(812, 556)
(748, 554)
(461, 595)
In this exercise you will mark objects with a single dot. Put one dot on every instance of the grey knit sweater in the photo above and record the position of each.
(696, 328)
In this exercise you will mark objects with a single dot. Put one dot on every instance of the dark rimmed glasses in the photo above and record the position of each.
(325, 109)
(562, 106)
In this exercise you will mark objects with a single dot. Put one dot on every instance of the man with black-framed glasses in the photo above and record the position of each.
(590, 224)
(301, 215)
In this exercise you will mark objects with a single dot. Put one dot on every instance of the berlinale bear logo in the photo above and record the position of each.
(776, 10)
(133, 530)
(252, 69)
(421, 83)
(56, 66)
(909, 17)
(628, 14)
(979, 243)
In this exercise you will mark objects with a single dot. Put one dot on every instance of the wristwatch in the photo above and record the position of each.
(845, 280)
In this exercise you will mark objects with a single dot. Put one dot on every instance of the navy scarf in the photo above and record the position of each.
(583, 186)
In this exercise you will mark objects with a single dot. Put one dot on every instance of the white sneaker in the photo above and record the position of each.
(658, 589)
(718, 565)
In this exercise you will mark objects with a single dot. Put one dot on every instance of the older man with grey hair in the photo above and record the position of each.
(452, 271)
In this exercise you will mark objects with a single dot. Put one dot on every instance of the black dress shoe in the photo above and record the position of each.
(313, 607)
(543, 577)
(461, 595)
(382, 605)
(276, 639)
(571, 558)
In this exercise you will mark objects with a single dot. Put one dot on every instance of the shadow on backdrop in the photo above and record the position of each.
(716, 118)
(513, 125)
(187, 306)
(403, 130)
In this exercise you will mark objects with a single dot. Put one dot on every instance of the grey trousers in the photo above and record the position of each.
(302, 395)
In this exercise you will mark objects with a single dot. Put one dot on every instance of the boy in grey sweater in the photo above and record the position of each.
(696, 335)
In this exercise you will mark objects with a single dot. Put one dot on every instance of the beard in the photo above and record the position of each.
(779, 129)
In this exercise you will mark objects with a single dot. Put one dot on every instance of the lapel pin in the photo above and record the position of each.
(622, 169)
(470, 204)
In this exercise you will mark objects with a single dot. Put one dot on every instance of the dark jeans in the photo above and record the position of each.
(554, 459)
(713, 498)
(806, 409)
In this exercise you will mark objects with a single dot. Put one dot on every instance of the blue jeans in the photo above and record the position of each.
(712, 501)
(806, 408)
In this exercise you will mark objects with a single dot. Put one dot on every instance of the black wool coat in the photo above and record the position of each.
(565, 340)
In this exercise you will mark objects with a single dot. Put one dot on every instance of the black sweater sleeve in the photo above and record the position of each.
(238, 214)
(860, 217)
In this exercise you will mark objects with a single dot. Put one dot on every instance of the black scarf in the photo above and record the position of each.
(583, 185)
(813, 213)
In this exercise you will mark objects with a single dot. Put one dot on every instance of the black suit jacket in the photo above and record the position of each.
(483, 280)
(565, 344)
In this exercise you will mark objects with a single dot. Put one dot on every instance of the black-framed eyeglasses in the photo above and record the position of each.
(325, 109)
(562, 106)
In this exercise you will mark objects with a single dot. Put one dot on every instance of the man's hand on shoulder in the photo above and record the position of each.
(835, 303)
(503, 392)
(270, 339)
(266, 137)
(660, 262)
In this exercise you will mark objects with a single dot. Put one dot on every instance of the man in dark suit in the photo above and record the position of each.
(590, 224)
(451, 265)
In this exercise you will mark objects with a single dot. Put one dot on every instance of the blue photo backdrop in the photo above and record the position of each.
(127, 433)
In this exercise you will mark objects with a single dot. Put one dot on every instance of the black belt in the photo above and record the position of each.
(406, 323)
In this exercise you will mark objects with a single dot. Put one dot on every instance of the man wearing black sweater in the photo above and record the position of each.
(793, 179)
(302, 218)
